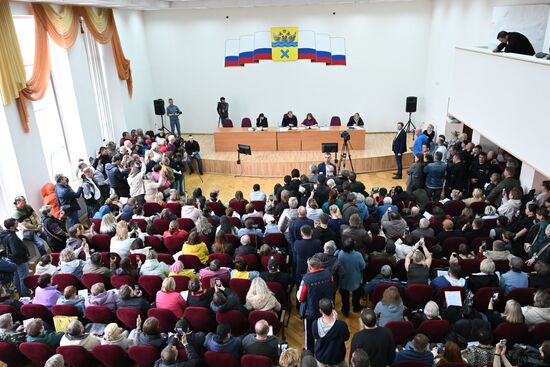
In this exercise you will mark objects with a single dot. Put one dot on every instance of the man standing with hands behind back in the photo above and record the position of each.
(173, 113)
(399, 146)
(223, 110)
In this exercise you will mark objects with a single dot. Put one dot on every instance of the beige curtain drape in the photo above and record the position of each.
(12, 69)
(63, 28)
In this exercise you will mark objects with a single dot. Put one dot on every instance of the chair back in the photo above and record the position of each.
(513, 333)
(186, 223)
(100, 314)
(76, 356)
(402, 331)
(155, 243)
(483, 296)
(174, 243)
(182, 282)
(236, 222)
(259, 205)
(523, 295)
(478, 207)
(245, 122)
(127, 316)
(374, 267)
(175, 208)
(240, 287)
(469, 267)
(151, 284)
(89, 279)
(150, 209)
(478, 241)
(141, 223)
(227, 123)
(540, 333)
(435, 330)
(417, 295)
(66, 310)
(38, 353)
(275, 240)
(217, 359)
(451, 244)
(335, 121)
(112, 356)
(166, 318)
(236, 319)
(11, 356)
(15, 314)
(161, 225)
(252, 360)
(216, 207)
(191, 262)
(168, 259)
(31, 282)
(200, 319)
(237, 206)
(223, 258)
(453, 207)
(144, 355)
(101, 242)
(35, 310)
(268, 316)
(118, 281)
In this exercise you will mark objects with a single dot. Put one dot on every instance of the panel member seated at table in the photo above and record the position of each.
(261, 121)
(289, 120)
(356, 120)
(309, 121)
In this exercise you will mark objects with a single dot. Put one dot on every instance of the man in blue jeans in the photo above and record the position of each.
(29, 222)
(17, 252)
(435, 177)
(174, 113)
(66, 199)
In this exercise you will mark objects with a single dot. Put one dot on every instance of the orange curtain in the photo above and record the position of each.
(63, 28)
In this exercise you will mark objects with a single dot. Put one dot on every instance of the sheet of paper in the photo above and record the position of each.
(453, 298)
(184, 294)
(27, 322)
(427, 215)
(283, 128)
(441, 273)
(83, 293)
(323, 128)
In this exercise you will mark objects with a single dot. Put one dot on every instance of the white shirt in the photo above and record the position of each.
(257, 196)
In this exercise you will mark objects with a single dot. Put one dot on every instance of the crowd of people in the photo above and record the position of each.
(315, 235)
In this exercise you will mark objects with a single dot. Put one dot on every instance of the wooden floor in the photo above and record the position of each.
(294, 334)
(377, 156)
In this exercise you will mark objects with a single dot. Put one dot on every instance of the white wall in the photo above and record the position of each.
(497, 96)
(386, 53)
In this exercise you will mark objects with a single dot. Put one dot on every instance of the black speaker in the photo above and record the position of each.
(159, 107)
(411, 104)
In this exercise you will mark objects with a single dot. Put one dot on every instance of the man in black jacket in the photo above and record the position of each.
(457, 175)
(66, 199)
(399, 146)
(118, 177)
(193, 151)
(377, 341)
(514, 42)
(17, 252)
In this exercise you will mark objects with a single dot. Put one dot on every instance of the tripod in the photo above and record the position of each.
(345, 153)
(408, 125)
(163, 128)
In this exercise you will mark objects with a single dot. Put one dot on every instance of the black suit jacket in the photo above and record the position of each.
(517, 44)
(399, 144)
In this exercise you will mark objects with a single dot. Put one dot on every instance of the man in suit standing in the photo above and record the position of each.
(399, 146)
(223, 110)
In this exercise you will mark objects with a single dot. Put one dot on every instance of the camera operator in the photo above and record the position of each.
(195, 338)
(223, 110)
(169, 355)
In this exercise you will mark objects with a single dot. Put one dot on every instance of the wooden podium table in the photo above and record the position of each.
(227, 139)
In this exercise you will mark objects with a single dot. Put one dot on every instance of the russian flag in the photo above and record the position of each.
(246, 49)
(262, 46)
(232, 53)
(338, 51)
(306, 45)
(322, 43)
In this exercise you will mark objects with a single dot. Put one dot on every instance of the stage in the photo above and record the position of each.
(377, 156)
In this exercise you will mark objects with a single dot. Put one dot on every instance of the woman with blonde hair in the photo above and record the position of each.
(477, 196)
(204, 228)
(289, 358)
(335, 220)
(288, 214)
(456, 195)
(169, 299)
(151, 187)
(511, 203)
(512, 313)
(115, 335)
(108, 225)
(69, 263)
(417, 264)
(121, 241)
(260, 297)
(390, 308)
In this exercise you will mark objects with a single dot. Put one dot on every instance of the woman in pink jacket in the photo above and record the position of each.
(169, 299)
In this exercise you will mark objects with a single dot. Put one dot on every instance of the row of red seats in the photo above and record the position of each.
(113, 356)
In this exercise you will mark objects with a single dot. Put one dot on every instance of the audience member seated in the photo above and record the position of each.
(452, 278)
(476, 230)
(45, 266)
(174, 231)
(512, 313)
(477, 197)
(385, 277)
(485, 278)
(9, 333)
(498, 253)
(224, 299)
(257, 194)
(150, 335)
(514, 278)
(194, 246)
(423, 230)
(448, 231)
(463, 253)
(541, 279)
(273, 274)
(70, 264)
(37, 334)
(481, 354)
(76, 238)
(121, 241)
(250, 212)
(108, 224)
(501, 226)
(430, 312)
(198, 296)
(71, 297)
(215, 270)
(128, 297)
(261, 343)
(417, 264)
(115, 335)
(190, 211)
(95, 265)
(387, 204)
(222, 245)
(249, 228)
(53, 229)
(260, 297)
(352, 263)
(126, 268)
(388, 252)
(451, 354)
(169, 357)
(152, 266)
(168, 298)
(540, 311)
(75, 335)
(417, 351)
(393, 224)
(376, 340)
(101, 297)
(226, 226)
(390, 308)
(46, 294)
(241, 270)
(223, 341)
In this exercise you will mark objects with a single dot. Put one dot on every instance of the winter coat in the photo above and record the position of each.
(16, 250)
(263, 302)
(47, 296)
(107, 299)
(154, 267)
(117, 180)
(48, 198)
(87, 341)
(73, 267)
(536, 315)
(391, 312)
(66, 198)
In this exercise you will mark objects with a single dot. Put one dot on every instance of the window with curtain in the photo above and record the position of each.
(99, 83)
(46, 110)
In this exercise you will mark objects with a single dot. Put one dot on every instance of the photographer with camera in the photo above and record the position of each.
(169, 355)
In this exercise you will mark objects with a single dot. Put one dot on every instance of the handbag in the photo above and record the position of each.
(28, 235)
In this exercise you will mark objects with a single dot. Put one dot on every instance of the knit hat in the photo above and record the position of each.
(112, 332)
(272, 264)
(386, 271)
(176, 267)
